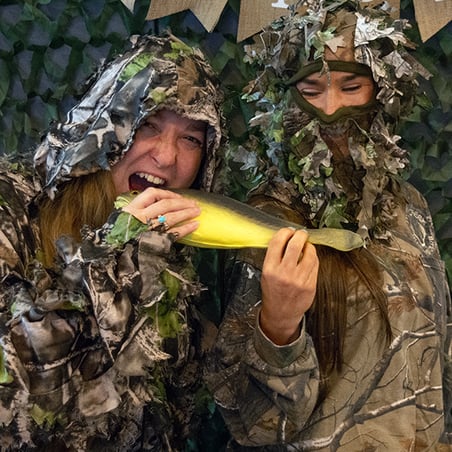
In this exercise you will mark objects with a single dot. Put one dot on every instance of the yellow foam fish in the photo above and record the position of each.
(227, 223)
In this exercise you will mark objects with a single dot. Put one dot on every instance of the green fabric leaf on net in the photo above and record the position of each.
(5, 378)
(126, 228)
(135, 66)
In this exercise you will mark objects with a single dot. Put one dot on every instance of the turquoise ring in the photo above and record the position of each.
(163, 225)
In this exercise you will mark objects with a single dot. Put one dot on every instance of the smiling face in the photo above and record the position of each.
(336, 89)
(167, 152)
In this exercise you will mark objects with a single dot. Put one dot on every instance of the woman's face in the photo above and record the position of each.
(167, 152)
(333, 90)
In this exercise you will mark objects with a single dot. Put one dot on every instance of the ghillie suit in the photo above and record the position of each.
(101, 349)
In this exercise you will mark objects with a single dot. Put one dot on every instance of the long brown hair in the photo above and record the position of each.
(327, 318)
(86, 200)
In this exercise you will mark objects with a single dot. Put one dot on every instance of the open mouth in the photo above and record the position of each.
(141, 181)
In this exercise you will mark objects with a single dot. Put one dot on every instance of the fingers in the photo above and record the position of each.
(287, 246)
(162, 214)
(291, 259)
(165, 211)
(153, 196)
(288, 283)
(180, 231)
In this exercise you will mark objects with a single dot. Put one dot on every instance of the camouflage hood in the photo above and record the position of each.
(360, 39)
(158, 72)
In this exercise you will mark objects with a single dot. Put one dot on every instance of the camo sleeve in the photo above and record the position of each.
(259, 386)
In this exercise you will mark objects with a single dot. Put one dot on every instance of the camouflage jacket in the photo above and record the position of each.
(103, 351)
(385, 398)
(94, 356)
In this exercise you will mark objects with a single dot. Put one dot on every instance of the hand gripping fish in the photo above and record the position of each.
(227, 223)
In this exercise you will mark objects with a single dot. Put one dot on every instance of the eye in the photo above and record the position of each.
(357, 85)
(193, 142)
(309, 92)
(310, 88)
(352, 88)
(150, 129)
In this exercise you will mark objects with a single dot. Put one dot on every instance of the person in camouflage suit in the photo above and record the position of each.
(322, 350)
(101, 340)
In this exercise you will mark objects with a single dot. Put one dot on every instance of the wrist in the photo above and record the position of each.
(280, 333)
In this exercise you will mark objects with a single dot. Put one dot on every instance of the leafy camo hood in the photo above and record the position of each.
(322, 36)
(156, 73)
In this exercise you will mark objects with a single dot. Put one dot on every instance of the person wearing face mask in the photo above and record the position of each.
(323, 350)
(101, 338)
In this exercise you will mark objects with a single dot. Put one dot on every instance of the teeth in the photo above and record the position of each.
(152, 179)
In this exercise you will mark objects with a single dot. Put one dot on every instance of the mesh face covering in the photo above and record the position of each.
(334, 35)
(158, 72)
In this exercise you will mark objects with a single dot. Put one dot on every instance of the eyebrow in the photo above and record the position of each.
(193, 126)
(197, 126)
(314, 80)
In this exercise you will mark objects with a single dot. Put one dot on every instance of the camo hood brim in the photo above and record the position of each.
(156, 73)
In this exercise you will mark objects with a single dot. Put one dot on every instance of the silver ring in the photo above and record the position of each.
(149, 222)
(174, 236)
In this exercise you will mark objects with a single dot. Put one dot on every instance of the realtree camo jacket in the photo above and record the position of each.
(385, 398)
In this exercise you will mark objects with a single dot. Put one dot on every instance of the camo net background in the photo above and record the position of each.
(48, 48)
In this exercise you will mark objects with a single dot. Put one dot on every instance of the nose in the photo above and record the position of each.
(331, 102)
(164, 151)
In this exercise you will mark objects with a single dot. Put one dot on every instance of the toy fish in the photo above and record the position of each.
(227, 223)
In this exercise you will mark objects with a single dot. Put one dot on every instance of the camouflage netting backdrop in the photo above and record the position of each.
(48, 48)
